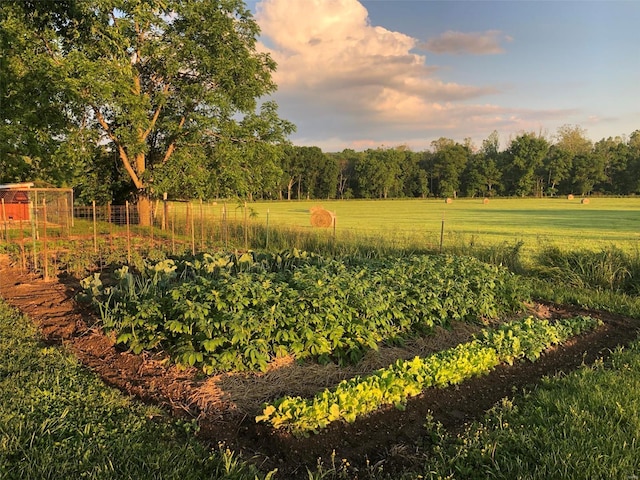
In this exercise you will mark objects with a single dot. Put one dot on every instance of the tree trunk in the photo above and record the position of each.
(144, 210)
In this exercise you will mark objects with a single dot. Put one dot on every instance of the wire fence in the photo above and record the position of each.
(48, 237)
(52, 236)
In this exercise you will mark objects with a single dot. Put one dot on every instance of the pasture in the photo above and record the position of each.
(535, 221)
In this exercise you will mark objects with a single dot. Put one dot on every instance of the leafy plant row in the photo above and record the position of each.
(229, 312)
(359, 396)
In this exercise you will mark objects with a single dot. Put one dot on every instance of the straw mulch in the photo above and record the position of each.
(244, 393)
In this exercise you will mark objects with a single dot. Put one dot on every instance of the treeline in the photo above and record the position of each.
(530, 165)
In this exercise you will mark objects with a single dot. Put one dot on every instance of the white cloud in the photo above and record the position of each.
(349, 84)
(475, 43)
(329, 48)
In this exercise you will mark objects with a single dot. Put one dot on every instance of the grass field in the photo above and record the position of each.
(557, 221)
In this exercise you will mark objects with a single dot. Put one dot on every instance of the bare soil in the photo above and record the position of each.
(226, 405)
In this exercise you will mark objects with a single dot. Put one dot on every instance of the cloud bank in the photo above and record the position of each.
(349, 84)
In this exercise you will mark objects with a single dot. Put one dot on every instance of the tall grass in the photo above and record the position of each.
(607, 269)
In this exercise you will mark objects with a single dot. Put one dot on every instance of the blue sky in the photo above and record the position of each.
(369, 73)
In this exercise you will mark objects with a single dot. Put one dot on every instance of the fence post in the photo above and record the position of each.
(95, 230)
(193, 229)
(109, 219)
(128, 233)
(442, 232)
(165, 211)
(151, 225)
(224, 225)
(173, 232)
(201, 227)
(45, 251)
(266, 246)
(66, 216)
(34, 235)
(22, 251)
(246, 228)
(334, 221)
(4, 219)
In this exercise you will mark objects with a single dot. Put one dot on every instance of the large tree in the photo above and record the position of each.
(525, 158)
(449, 161)
(160, 81)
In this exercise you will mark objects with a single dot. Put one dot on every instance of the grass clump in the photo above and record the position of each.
(609, 268)
(57, 420)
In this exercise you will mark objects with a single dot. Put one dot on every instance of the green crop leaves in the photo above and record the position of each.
(239, 312)
(359, 396)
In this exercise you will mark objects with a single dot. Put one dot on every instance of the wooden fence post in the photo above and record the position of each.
(95, 229)
(201, 227)
(34, 234)
(4, 219)
(45, 250)
(128, 233)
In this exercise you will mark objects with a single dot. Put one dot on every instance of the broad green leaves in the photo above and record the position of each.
(240, 312)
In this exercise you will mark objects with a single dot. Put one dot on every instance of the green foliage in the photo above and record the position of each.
(57, 420)
(239, 312)
(358, 396)
(151, 79)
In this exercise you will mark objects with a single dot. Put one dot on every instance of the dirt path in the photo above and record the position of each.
(383, 438)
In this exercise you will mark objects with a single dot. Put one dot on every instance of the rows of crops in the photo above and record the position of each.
(358, 396)
(229, 312)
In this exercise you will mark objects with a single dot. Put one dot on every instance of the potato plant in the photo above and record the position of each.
(228, 312)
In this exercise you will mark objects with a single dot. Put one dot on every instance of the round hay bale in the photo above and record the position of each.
(585, 201)
(321, 218)
(485, 201)
(448, 200)
(569, 197)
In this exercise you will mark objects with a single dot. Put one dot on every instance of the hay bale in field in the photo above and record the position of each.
(585, 201)
(485, 200)
(448, 200)
(569, 197)
(321, 218)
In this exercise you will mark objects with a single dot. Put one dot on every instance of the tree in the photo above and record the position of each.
(450, 160)
(346, 180)
(588, 170)
(413, 178)
(378, 173)
(558, 164)
(524, 159)
(163, 78)
(34, 113)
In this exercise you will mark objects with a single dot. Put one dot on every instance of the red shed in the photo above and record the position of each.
(15, 197)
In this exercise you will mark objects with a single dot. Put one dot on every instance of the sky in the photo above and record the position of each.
(365, 74)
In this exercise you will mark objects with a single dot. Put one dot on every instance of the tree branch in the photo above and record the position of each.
(156, 114)
(121, 151)
(172, 145)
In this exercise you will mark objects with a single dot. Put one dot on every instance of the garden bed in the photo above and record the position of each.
(227, 403)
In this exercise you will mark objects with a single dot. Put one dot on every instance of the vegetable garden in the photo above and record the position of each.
(217, 326)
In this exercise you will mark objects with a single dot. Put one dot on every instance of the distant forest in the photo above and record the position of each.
(531, 165)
